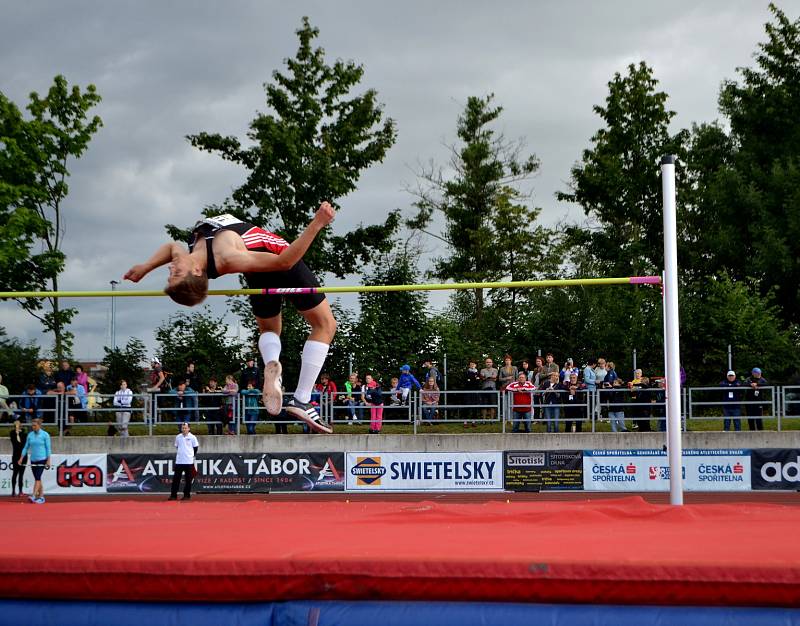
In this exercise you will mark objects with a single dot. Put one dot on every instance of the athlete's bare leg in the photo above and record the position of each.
(269, 345)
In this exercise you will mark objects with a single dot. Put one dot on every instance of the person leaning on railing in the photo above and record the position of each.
(122, 402)
(551, 402)
(753, 409)
(429, 396)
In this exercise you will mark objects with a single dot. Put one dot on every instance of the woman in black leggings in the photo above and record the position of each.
(18, 437)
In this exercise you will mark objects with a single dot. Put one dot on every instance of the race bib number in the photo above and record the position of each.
(218, 221)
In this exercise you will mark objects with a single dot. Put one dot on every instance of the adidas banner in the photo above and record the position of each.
(424, 471)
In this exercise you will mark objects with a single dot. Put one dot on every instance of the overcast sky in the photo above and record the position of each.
(165, 70)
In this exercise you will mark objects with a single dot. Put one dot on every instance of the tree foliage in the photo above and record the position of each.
(200, 338)
(17, 363)
(34, 159)
(312, 146)
(124, 364)
(479, 200)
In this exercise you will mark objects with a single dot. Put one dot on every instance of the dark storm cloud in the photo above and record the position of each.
(165, 70)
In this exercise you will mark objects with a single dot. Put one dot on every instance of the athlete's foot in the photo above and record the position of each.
(308, 414)
(272, 395)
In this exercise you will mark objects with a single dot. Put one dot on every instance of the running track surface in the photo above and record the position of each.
(570, 548)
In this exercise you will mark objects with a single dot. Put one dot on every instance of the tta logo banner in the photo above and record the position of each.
(368, 471)
(77, 475)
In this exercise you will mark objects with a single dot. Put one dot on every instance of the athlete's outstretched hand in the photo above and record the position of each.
(136, 273)
(325, 214)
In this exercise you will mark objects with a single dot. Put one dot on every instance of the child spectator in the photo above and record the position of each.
(214, 409)
(353, 391)
(28, 408)
(395, 391)
(251, 395)
(373, 397)
(551, 402)
(405, 382)
(430, 400)
(616, 406)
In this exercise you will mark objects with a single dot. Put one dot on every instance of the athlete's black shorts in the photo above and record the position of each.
(297, 276)
(37, 467)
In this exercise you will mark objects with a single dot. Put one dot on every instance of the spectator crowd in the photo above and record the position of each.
(542, 392)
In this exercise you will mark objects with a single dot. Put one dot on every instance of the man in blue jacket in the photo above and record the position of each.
(731, 402)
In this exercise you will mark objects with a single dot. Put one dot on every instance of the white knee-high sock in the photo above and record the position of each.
(269, 344)
(314, 353)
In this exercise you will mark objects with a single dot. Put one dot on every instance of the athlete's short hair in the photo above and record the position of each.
(189, 291)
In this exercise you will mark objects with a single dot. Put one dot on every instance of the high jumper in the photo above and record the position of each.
(265, 260)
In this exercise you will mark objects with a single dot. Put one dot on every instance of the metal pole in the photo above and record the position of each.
(730, 358)
(114, 284)
(672, 339)
(349, 364)
(444, 374)
(634, 361)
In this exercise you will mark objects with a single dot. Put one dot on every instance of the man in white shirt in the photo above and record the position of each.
(122, 401)
(186, 445)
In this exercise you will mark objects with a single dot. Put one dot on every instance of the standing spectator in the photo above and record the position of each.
(373, 398)
(430, 400)
(76, 404)
(352, 392)
(551, 402)
(215, 408)
(65, 374)
(186, 445)
(731, 399)
(82, 378)
(753, 410)
(193, 384)
(550, 365)
(45, 384)
(611, 373)
(472, 383)
(28, 405)
(182, 402)
(250, 372)
(525, 368)
(521, 402)
(507, 374)
(589, 375)
(539, 372)
(122, 401)
(230, 392)
(405, 382)
(641, 396)
(431, 371)
(37, 448)
(616, 406)
(600, 372)
(575, 399)
(251, 395)
(158, 378)
(568, 369)
(323, 391)
(489, 376)
(658, 397)
(18, 437)
(5, 411)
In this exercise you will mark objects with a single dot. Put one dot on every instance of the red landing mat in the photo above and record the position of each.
(623, 551)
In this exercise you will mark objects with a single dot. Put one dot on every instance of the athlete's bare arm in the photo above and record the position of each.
(232, 257)
(165, 254)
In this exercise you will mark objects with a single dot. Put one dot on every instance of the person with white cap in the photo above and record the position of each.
(754, 397)
(731, 402)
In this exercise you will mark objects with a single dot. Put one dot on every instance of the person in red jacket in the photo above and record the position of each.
(522, 401)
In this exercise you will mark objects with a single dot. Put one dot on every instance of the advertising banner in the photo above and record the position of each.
(73, 474)
(648, 470)
(241, 473)
(424, 471)
(543, 470)
(776, 468)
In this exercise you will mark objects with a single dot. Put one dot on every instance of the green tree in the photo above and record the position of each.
(393, 327)
(618, 183)
(34, 159)
(477, 196)
(202, 339)
(748, 204)
(313, 146)
(722, 311)
(17, 363)
(124, 364)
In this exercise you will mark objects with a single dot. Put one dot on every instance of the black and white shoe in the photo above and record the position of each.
(272, 394)
(308, 414)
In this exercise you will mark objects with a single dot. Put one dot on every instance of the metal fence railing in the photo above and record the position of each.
(617, 409)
